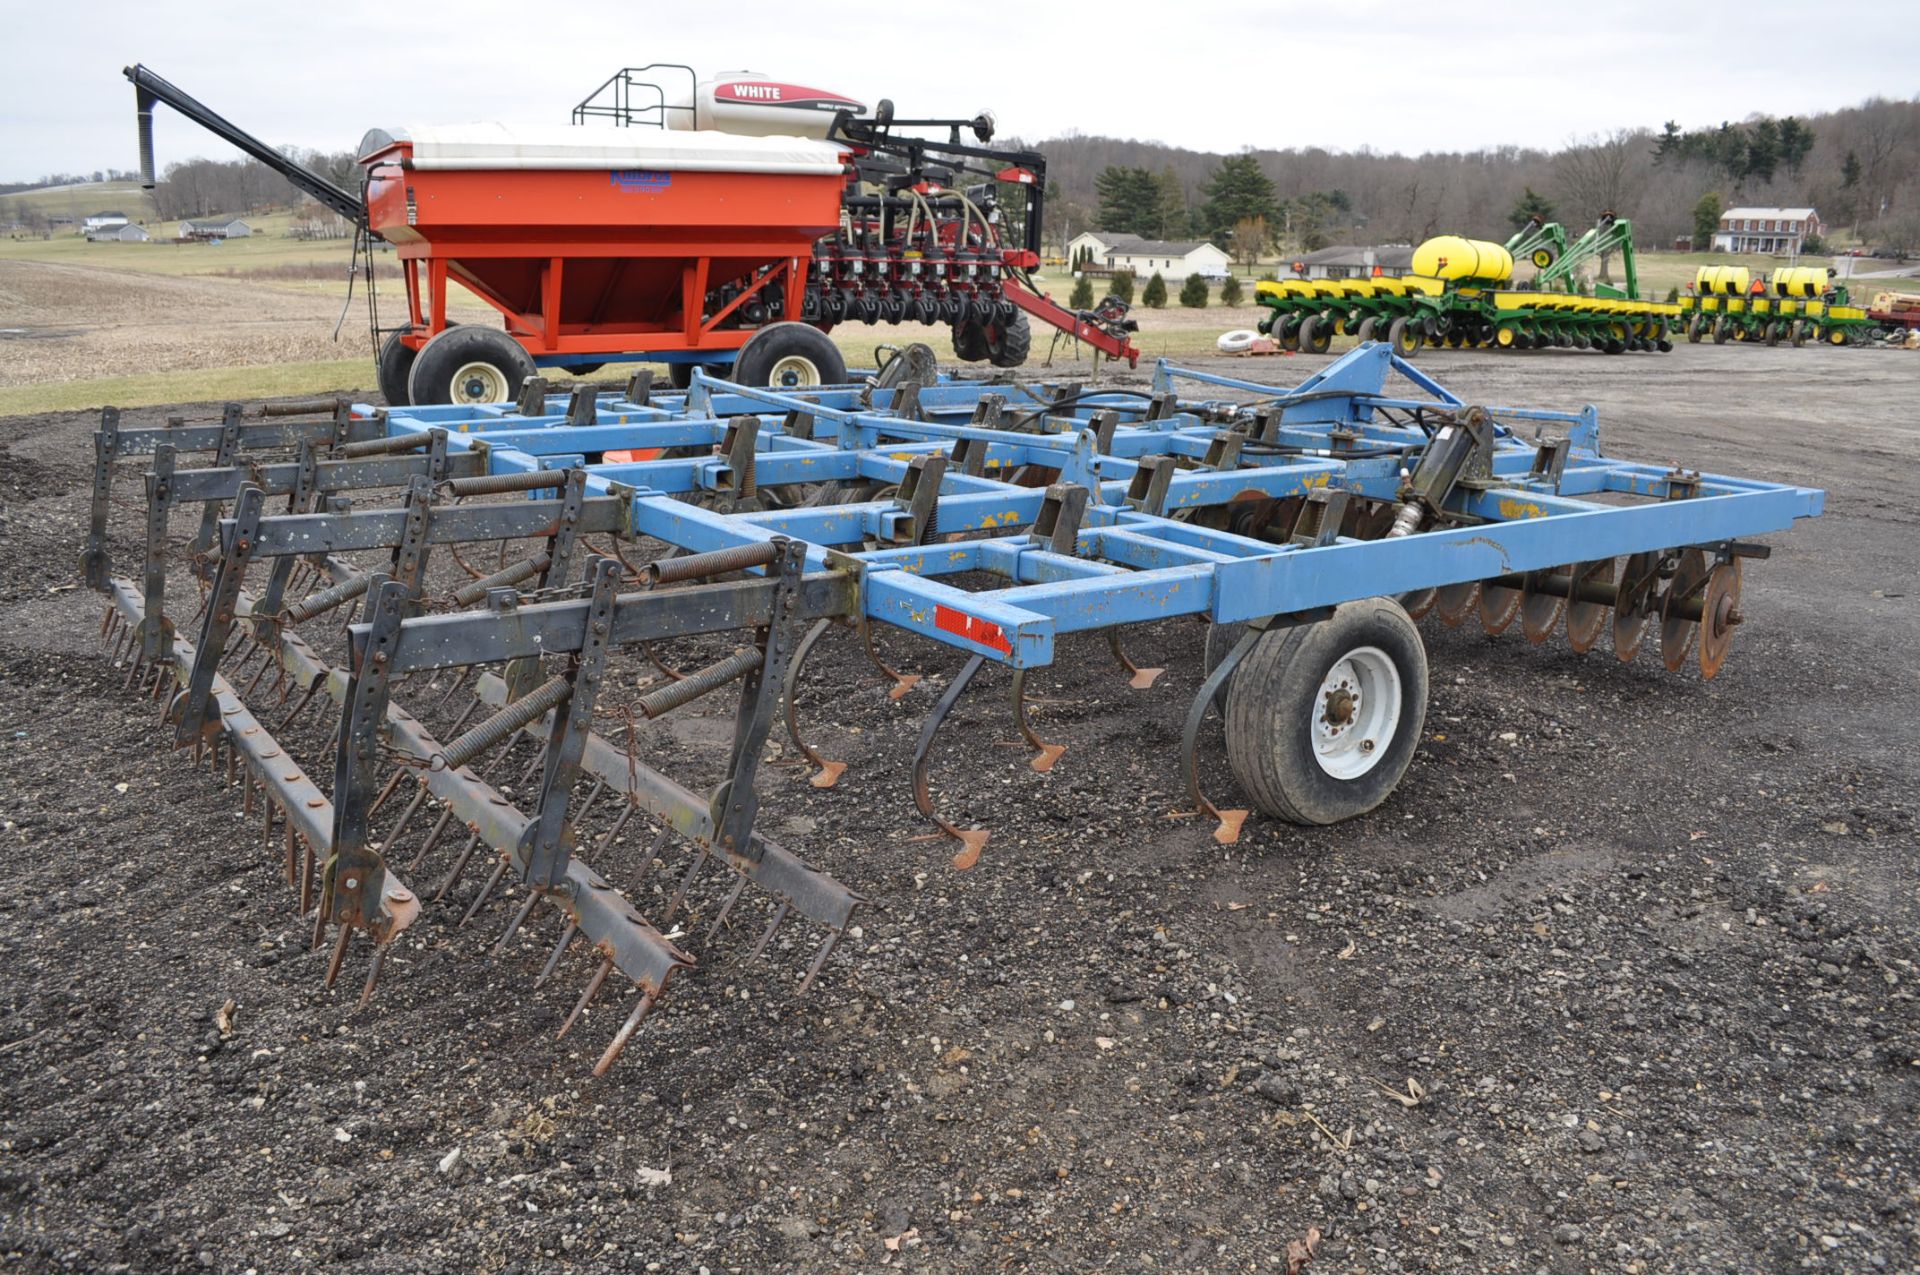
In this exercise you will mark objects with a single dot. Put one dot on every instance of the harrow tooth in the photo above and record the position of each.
(780, 911)
(289, 854)
(658, 848)
(972, 840)
(625, 1034)
(446, 817)
(486, 891)
(373, 974)
(720, 917)
(559, 950)
(593, 794)
(686, 880)
(306, 698)
(829, 771)
(586, 997)
(393, 838)
(1139, 678)
(1045, 754)
(339, 955)
(819, 962)
(465, 713)
(381, 800)
(307, 863)
(611, 834)
(519, 919)
(459, 866)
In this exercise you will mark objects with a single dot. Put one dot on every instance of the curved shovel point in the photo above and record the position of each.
(1227, 832)
(1138, 678)
(902, 683)
(1048, 755)
(972, 842)
(830, 772)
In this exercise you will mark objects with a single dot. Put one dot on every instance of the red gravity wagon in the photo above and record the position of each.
(687, 245)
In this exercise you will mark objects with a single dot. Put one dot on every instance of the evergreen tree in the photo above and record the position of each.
(1236, 191)
(1193, 293)
(1763, 150)
(1155, 296)
(1230, 293)
(1082, 298)
(1129, 200)
(1532, 204)
(1671, 144)
(1706, 220)
(1171, 219)
(1796, 143)
(1122, 285)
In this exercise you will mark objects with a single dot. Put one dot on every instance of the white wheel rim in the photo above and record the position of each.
(794, 372)
(479, 382)
(1356, 712)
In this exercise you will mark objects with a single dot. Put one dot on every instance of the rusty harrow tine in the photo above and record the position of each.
(1045, 754)
(519, 919)
(339, 954)
(586, 997)
(373, 974)
(405, 815)
(625, 1034)
(658, 848)
(779, 914)
(686, 880)
(461, 720)
(459, 866)
(619, 823)
(829, 771)
(486, 892)
(972, 840)
(459, 680)
(446, 817)
(306, 698)
(593, 794)
(1137, 677)
(381, 800)
(559, 949)
(720, 917)
(819, 962)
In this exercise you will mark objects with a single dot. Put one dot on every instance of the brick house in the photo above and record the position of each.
(1776, 230)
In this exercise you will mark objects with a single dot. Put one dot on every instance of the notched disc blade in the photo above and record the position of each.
(1631, 612)
(1586, 620)
(1453, 603)
(1499, 607)
(1719, 617)
(1677, 633)
(1540, 611)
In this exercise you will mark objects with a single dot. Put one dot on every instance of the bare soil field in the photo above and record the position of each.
(1644, 946)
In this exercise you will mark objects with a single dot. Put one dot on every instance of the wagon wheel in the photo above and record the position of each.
(468, 364)
(790, 356)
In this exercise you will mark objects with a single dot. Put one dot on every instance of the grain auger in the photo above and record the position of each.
(613, 556)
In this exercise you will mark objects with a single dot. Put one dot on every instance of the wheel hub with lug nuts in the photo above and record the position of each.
(1358, 712)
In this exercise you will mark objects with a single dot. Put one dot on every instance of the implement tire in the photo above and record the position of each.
(1323, 719)
(790, 356)
(392, 369)
(470, 365)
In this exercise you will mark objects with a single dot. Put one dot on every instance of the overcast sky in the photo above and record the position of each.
(1204, 74)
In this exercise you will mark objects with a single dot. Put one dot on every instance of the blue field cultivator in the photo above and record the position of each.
(398, 608)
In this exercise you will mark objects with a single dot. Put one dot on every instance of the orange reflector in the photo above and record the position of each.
(973, 628)
(629, 455)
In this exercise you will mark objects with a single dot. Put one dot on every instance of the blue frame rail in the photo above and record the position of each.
(1341, 429)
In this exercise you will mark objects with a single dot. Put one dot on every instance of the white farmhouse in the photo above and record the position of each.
(1172, 260)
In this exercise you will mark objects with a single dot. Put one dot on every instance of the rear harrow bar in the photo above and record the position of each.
(1310, 525)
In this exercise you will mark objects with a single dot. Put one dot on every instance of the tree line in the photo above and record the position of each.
(1860, 167)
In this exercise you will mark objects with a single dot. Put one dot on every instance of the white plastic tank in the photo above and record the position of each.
(755, 105)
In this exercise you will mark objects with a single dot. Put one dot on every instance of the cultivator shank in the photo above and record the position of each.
(373, 693)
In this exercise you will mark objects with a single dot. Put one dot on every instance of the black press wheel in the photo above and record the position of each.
(1316, 334)
(1008, 344)
(1722, 330)
(1404, 337)
(790, 356)
(969, 342)
(394, 365)
(1696, 327)
(1365, 331)
(1322, 719)
(468, 364)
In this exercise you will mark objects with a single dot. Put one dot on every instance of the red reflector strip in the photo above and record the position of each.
(633, 454)
(972, 628)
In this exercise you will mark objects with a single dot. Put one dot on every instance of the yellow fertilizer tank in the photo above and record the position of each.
(1799, 281)
(1455, 257)
(1722, 281)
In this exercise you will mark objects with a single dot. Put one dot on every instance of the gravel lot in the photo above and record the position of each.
(1643, 946)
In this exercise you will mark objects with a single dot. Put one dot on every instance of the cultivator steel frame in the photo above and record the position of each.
(994, 519)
